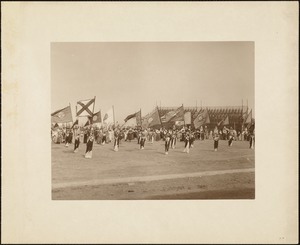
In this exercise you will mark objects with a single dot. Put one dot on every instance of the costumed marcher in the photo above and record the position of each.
(89, 147)
(77, 142)
(252, 135)
(230, 141)
(192, 139)
(173, 139)
(216, 138)
(67, 139)
(187, 142)
(167, 143)
(117, 140)
(143, 139)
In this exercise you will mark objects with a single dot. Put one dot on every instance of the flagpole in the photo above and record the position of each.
(94, 104)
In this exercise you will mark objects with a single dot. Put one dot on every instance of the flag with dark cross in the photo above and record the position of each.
(85, 108)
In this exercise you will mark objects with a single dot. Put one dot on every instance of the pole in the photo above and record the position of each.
(94, 103)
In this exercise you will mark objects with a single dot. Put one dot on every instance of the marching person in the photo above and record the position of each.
(117, 140)
(142, 139)
(230, 141)
(67, 139)
(89, 147)
(77, 142)
(192, 139)
(173, 139)
(252, 135)
(167, 143)
(216, 138)
(187, 142)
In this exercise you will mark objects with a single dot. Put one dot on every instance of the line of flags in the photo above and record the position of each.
(85, 108)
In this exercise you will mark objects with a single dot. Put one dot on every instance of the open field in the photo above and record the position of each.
(136, 174)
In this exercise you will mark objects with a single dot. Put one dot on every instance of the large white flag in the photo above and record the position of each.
(109, 117)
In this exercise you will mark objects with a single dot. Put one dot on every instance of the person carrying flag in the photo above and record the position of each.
(216, 138)
(77, 143)
(117, 140)
(167, 139)
(230, 141)
(173, 138)
(89, 147)
(143, 139)
(187, 142)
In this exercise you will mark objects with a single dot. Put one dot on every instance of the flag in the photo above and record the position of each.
(85, 107)
(75, 123)
(96, 118)
(224, 121)
(137, 116)
(188, 117)
(249, 117)
(166, 117)
(153, 119)
(201, 118)
(130, 123)
(178, 114)
(130, 116)
(109, 117)
(62, 116)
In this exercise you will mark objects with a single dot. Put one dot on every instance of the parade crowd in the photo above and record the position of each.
(90, 135)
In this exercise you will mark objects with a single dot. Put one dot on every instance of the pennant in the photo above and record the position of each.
(87, 123)
(226, 122)
(62, 116)
(201, 118)
(85, 107)
(75, 123)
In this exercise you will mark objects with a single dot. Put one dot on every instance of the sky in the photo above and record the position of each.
(140, 75)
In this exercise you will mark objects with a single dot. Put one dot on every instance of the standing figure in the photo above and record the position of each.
(117, 140)
(192, 139)
(230, 141)
(173, 139)
(216, 139)
(67, 139)
(142, 139)
(89, 147)
(77, 143)
(187, 143)
(167, 143)
(201, 133)
(252, 135)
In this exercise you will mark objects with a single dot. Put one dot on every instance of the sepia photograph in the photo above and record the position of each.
(152, 120)
(149, 122)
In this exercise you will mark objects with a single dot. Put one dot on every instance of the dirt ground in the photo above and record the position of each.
(149, 174)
